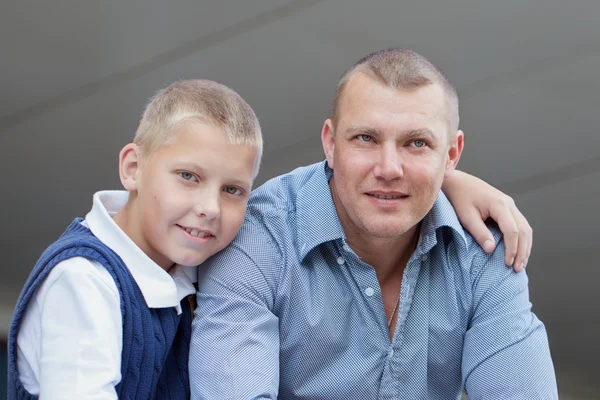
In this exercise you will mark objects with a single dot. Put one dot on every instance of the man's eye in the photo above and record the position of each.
(365, 138)
(233, 190)
(187, 176)
(418, 143)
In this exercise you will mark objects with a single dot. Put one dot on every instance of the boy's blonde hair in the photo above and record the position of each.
(400, 69)
(198, 101)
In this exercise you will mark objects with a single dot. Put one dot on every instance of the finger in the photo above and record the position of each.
(525, 241)
(501, 213)
(476, 226)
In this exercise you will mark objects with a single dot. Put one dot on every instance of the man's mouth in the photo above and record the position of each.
(388, 197)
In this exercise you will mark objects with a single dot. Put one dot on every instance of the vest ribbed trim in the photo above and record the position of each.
(154, 359)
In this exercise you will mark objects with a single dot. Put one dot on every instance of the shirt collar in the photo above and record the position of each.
(159, 288)
(441, 215)
(318, 221)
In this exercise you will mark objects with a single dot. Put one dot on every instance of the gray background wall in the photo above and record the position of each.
(74, 77)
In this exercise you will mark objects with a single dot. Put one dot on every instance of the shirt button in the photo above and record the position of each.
(340, 260)
(369, 291)
(424, 257)
(390, 352)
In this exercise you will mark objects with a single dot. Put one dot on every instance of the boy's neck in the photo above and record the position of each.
(127, 221)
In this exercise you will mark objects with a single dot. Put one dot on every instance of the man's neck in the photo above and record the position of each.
(388, 256)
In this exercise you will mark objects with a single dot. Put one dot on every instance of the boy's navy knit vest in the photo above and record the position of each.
(154, 360)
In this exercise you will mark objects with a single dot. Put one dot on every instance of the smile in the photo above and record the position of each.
(388, 200)
(199, 233)
(389, 197)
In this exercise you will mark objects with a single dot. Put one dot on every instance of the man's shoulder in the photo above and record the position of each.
(280, 194)
(441, 228)
(274, 205)
(475, 272)
(478, 254)
(488, 270)
(271, 223)
(463, 252)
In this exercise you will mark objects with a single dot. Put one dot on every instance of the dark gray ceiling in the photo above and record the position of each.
(75, 76)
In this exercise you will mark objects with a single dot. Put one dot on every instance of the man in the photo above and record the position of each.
(353, 279)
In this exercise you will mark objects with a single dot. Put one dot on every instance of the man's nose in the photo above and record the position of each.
(389, 165)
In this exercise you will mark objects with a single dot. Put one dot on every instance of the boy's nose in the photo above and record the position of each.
(208, 208)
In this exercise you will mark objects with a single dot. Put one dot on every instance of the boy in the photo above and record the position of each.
(105, 312)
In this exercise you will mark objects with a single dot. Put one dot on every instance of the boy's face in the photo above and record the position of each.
(189, 196)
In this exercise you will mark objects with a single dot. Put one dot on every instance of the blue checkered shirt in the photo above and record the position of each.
(289, 311)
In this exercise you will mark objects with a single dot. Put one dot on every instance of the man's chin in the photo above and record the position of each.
(387, 231)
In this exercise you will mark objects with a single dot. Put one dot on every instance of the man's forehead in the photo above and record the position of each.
(363, 91)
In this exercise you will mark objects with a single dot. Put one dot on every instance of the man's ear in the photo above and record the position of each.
(454, 151)
(130, 158)
(328, 141)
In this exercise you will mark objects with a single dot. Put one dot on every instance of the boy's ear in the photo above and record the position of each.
(129, 166)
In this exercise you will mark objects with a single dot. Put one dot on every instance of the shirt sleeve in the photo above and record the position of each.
(234, 350)
(506, 353)
(81, 333)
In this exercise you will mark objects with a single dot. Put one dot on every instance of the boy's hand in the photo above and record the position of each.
(475, 201)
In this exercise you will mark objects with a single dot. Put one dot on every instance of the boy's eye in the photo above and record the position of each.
(365, 138)
(232, 190)
(418, 143)
(187, 176)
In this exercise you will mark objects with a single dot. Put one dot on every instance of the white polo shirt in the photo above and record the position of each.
(70, 340)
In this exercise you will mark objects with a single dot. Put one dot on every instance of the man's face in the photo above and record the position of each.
(192, 195)
(389, 151)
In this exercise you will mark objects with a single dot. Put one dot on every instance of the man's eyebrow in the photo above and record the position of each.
(420, 132)
(363, 130)
(360, 130)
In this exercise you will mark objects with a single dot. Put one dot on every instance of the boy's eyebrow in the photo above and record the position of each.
(238, 182)
(201, 171)
(189, 165)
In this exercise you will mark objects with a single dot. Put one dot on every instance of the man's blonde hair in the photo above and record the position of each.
(198, 101)
(400, 69)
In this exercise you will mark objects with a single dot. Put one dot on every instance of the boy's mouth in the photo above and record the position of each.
(197, 232)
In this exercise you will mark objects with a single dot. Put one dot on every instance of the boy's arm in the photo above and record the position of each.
(475, 201)
(81, 333)
(506, 353)
(234, 350)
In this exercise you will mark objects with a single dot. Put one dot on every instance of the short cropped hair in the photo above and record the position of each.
(400, 69)
(198, 101)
